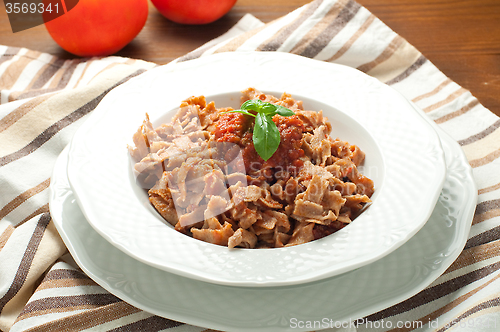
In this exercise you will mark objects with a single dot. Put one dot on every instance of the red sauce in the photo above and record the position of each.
(289, 151)
(231, 127)
(237, 128)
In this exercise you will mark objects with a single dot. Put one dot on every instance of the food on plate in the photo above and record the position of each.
(207, 176)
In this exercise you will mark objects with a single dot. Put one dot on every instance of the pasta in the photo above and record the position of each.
(204, 177)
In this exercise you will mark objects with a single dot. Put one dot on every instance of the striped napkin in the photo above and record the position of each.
(44, 100)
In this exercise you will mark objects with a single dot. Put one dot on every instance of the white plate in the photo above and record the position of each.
(404, 158)
(352, 295)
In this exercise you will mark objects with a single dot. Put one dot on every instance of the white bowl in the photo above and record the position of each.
(403, 157)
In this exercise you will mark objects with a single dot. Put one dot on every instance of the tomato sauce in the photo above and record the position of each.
(231, 127)
(237, 128)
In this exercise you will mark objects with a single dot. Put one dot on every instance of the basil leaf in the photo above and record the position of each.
(239, 111)
(269, 109)
(266, 136)
(253, 105)
(283, 111)
(260, 106)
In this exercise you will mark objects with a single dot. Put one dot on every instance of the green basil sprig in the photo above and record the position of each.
(266, 136)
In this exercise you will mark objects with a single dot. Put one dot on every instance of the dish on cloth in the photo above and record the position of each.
(359, 293)
(206, 174)
(404, 158)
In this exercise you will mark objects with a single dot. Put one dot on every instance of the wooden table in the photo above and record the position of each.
(461, 37)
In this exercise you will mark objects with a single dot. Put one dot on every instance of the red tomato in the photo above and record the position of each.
(193, 11)
(98, 27)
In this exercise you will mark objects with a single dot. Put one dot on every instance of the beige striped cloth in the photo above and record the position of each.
(44, 100)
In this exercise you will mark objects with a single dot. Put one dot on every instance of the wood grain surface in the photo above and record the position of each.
(462, 38)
